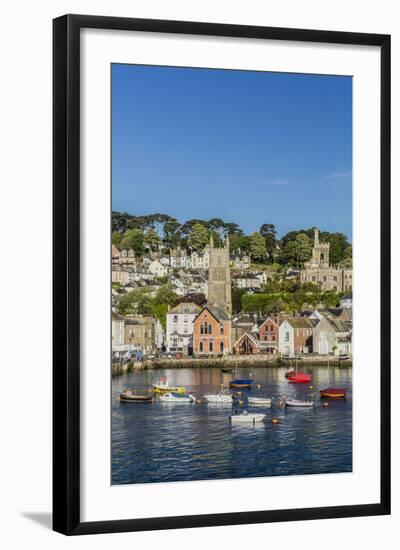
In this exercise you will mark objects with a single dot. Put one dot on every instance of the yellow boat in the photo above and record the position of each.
(164, 387)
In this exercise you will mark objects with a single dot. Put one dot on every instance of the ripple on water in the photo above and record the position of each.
(154, 442)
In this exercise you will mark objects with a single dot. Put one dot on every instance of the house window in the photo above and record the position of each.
(185, 330)
(221, 328)
(335, 278)
(185, 318)
(175, 318)
(221, 347)
(324, 278)
(286, 337)
(201, 346)
(313, 278)
(201, 329)
(210, 347)
(209, 329)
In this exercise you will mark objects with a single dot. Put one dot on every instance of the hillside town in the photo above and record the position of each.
(215, 302)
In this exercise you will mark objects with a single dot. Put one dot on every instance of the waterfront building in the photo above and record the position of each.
(179, 335)
(268, 334)
(319, 272)
(331, 335)
(295, 336)
(117, 330)
(140, 333)
(247, 344)
(242, 323)
(212, 332)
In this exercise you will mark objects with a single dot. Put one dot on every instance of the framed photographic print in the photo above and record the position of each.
(221, 274)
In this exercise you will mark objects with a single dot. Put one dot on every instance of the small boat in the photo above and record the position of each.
(334, 393)
(163, 386)
(221, 397)
(177, 398)
(259, 401)
(299, 377)
(290, 373)
(239, 383)
(228, 370)
(129, 396)
(245, 417)
(298, 403)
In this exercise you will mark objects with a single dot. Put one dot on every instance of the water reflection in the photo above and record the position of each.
(166, 442)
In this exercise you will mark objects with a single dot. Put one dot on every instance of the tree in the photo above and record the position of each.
(151, 239)
(298, 251)
(268, 231)
(171, 233)
(133, 238)
(198, 237)
(258, 249)
(166, 295)
(136, 301)
(338, 245)
(116, 238)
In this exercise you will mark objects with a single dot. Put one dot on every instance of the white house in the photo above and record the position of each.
(158, 269)
(286, 338)
(179, 336)
(117, 330)
(201, 260)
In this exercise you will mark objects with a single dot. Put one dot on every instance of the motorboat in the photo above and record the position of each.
(334, 393)
(298, 403)
(299, 377)
(163, 386)
(246, 417)
(221, 397)
(177, 398)
(266, 401)
(131, 397)
(290, 373)
(241, 383)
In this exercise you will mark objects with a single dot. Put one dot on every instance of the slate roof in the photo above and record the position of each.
(186, 307)
(300, 322)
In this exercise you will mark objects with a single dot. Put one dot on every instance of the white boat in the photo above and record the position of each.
(226, 398)
(259, 401)
(177, 398)
(298, 403)
(245, 417)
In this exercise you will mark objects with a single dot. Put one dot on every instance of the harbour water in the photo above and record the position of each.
(161, 442)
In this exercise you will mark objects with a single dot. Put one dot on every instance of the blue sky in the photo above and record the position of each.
(248, 147)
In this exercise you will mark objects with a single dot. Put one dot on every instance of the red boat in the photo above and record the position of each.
(334, 393)
(290, 373)
(299, 377)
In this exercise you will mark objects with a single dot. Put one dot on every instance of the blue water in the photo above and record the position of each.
(159, 442)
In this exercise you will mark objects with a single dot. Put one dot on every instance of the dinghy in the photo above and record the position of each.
(259, 401)
(245, 417)
(129, 396)
(177, 398)
(298, 403)
(299, 377)
(241, 383)
(221, 397)
(334, 393)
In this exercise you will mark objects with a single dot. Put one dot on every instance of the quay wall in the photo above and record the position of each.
(231, 361)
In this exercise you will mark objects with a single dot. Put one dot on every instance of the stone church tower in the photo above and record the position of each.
(320, 252)
(219, 278)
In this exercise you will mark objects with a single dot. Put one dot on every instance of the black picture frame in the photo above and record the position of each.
(66, 273)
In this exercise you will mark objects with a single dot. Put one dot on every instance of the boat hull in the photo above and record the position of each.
(168, 389)
(240, 383)
(299, 378)
(224, 399)
(334, 393)
(246, 418)
(259, 401)
(294, 403)
(135, 398)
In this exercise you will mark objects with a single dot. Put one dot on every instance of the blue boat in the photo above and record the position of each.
(239, 383)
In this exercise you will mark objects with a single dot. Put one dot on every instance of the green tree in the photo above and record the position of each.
(136, 301)
(258, 249)
(198, 237)
(268, 231)
(133, 238)
(338, 245)
(151, 239)
(166, 295)
(172, 233)
(116, 238)
(298, 251)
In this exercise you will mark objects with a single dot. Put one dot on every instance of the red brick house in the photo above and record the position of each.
(268, 334)
(212, 332)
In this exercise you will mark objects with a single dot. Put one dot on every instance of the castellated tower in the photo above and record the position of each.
(219, 278)
(320, 253)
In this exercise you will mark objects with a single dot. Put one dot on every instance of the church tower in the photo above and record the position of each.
(320, 252)
(219, 278)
